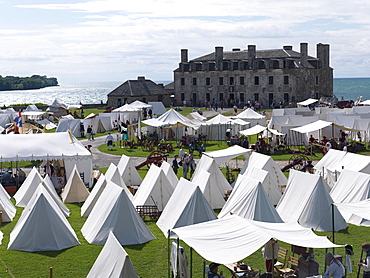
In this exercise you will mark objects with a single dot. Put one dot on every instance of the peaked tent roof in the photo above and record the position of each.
(352, 187)
(113, 261)
(93, 196)
(307, 102)
(249, 200)
(217, 178)
(42, 219)
(168, 171)
(75, 190)
(114, 175)
(269, 184)
(266, 163)
(127, 108)
(307, 201)
(155, 189)
(219, 119)
(128, 171)
(114, 212)
(213, 194)
(358, 209)
(6, 206)
(139, 104)
(224, 155)
(249, 114)
(234, 238)
(186, 206)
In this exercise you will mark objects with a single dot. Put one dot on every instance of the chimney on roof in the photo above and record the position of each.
(323, 54)
(184, 56)
(141, 78)
(304, 54)
(236, 49)
(251, 55)
(288, 47)
(219, 56)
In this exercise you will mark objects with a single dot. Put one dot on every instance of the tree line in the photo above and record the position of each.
(26, 83)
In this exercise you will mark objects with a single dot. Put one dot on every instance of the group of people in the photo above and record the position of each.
(186, 161)
(328, 144)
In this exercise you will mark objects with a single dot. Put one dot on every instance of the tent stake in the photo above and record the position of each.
(51, 272)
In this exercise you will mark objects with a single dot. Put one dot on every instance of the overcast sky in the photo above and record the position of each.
(116, 40)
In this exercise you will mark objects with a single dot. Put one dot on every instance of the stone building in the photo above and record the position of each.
(141, 89)
(272, 77)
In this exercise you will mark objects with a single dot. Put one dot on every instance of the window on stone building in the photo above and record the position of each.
(271, 80)
(286, 98)
(271, 100)
(242, 97)
(220, 96)
(194, 81)
(235, 65)
(160, 98)
(317, 95)
(241, 80)
(182, 96)
(256, 80)
(208, 96)
(231, 80)
(256, 97)
(317, 80)
(208, 81)
(220, 80)
(286, 79)
(182, 81)
(225, 66)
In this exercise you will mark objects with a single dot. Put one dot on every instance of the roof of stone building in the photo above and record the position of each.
(139, 87)
(260, 54)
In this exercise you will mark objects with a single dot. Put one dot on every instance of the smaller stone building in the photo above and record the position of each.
(141, 89)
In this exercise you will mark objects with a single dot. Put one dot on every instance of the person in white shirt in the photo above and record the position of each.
(109, 140)
(335, 269)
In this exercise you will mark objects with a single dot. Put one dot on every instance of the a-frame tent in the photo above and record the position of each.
(186, 206)
(213, 194)
(42, 226)
(217, 178)
(155, 189)
(114, 175)
(269, 184)
(114, 212)
(69, 124)
(266, 163)
(6, 206)
(249, 200)
(167, 169)
(128, 171)
(307, 201)
(113, 261)
(352, 187)
(75, 190)
(94, 196)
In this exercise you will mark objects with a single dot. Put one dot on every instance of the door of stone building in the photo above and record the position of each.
(194, 99)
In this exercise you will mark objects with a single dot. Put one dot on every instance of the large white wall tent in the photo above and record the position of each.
(69, 124)
(42, 219)
(307, 201)
(186, 206)
(155, 189)
(352, 187)
(251, 116)
(114, 212)
(113, 261)
(234, 238)
(249, 200)
(96, 123)
(48, 146)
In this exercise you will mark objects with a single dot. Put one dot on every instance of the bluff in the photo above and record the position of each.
(26, 83)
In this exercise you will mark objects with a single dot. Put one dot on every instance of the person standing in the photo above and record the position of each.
(109, 140)
(335, 269)
(185, 164)
(192, 164)
(175, 164)
(182, 153)
(82, 129)
(270, 252)
(365, 264)
(90, 134)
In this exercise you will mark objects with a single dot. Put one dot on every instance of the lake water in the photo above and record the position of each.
(95, 92)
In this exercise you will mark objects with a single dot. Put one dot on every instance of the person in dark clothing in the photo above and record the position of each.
(175, 164)
(365, 264)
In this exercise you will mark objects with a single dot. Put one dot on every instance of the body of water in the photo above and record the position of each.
(95, 92)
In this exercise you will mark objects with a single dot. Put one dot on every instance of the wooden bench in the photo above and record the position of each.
(150, 211)
(282, 258)
(289, 271)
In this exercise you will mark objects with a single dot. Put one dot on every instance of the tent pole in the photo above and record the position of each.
(332, 222)
(204, 268)
(191, 262)
(177, 258)
(168, 255)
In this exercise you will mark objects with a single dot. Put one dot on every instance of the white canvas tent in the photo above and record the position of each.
(249, 200)
(69, 124)
(252, 117)
(114, 212)
(224, 155)
(360, 210)
(307, 102)
(128, 171)
(210, 188)
(75, 190)
(42, 219)
(217, 178)
(48, 146)
(6, 206)
(96, 123)
(307, 201)
(157, 107)
(113, 261)
(186, 206)
(168, 171)
(179, 261)
(266, 163)
(93, 196)
(114, 175)
(352, 187)
(155, 189)
(233, 238)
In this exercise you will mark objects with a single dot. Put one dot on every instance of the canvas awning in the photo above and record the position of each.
(307, 102)
(361, 208)
(222, 156)
(319, 125)
(233, 238)
(253, 130)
